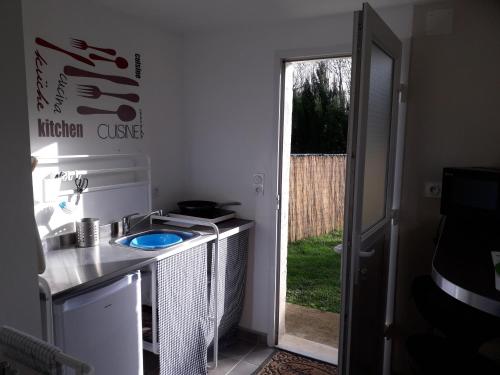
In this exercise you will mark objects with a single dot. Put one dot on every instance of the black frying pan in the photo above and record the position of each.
(203, 206)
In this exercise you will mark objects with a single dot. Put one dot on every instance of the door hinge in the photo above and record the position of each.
(403, 92)
(278, 202)
(359, 41)
(389, 331)
(395, 217)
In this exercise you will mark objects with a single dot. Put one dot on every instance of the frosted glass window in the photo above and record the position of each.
(377, 138)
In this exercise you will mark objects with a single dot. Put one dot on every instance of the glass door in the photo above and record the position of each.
(369, 190)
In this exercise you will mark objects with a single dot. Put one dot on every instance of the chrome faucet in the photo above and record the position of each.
(126, 227)
(126, 223)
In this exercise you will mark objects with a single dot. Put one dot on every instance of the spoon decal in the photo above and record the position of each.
(119, 61)
(124, 112)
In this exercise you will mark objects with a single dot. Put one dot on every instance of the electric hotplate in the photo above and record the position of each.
(214, 215)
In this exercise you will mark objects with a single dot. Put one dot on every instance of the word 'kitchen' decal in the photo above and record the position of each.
(86, 90)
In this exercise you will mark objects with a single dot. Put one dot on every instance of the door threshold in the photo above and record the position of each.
(309, 348)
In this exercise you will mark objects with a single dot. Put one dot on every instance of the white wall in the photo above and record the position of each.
(159, 86)
(453, 120)
(231, 88)
(19, 306)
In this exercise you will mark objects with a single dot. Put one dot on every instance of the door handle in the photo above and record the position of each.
(338, 249)
(367, 254)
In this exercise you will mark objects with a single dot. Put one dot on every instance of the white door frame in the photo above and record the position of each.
(278, 260)
(396, 199)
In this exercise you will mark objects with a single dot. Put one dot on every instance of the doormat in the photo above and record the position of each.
(285, 363)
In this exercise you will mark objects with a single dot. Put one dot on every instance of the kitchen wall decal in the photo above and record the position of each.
(93, 92)
(124, 112)
(81, 44)
(77, 57)
(119, 61)
(121, 80)
(86, 90)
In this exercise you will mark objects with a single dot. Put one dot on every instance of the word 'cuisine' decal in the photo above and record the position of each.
(120, 131)
(138, 68)
(86, 81)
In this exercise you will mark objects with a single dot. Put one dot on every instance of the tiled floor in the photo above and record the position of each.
(240, 358)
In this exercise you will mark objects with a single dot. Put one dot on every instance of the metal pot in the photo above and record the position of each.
(203, 206)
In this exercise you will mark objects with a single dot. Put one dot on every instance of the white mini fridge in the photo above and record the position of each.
(103, 326)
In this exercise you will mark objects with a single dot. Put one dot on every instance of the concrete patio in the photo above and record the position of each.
(314, 325)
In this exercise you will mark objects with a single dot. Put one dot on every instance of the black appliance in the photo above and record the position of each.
(471, 192)
(468, 232)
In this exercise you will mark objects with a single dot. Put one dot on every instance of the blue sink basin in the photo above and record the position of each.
(155, 239)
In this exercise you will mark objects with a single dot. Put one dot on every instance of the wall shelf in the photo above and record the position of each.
(118, 185)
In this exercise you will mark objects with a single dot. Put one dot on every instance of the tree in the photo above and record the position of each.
(320, 106)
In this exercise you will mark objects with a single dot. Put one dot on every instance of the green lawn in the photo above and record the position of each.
(313, 278)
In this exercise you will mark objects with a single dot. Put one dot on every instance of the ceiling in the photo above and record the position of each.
(184, 16)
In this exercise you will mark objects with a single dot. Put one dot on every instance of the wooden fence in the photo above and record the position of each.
(316, 201)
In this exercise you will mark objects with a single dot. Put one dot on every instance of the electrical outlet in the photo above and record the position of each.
(258, 183)
(432, 189)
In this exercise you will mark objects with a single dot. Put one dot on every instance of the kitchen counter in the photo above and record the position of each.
(73, 269)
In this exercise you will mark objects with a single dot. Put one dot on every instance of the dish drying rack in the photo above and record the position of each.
(25, 351)
(107, 172)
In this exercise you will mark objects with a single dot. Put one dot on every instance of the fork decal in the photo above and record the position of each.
(81, 44)
(93, 92)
